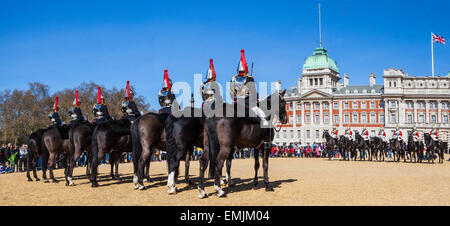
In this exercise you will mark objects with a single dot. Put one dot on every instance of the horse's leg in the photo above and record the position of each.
(34, 165)
(143, 161)
(174, 164)
(112, 161)
(228, 172)
(186, 166)
(255, 179)
(94, 165)
(204, 159)
(45, 156)
(29, 167)
(225, 150)
(116, 165)
(147, 171)
(266, 169)
(51, 163)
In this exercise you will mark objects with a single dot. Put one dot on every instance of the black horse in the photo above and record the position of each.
(34, 152)
(378, 147)
(363, 146)
(234, 131)
(398, 149)
(434, 147)
(330, 145)
(55, 140)
(80, 141)
(110, 137)
(412, 148)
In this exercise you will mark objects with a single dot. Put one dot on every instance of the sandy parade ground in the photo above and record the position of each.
(296, 181)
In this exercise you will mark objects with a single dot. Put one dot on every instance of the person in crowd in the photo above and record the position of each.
(23, 153)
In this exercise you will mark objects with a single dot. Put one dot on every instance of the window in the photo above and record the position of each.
(317, 119)
(433, 119)
(433, 105)
(421, 118)
(372, 104)
(336, 105)
(422, 105)
(445, 119)
(299, 106)
(317, 134)
(311, 82)
(410, 121)
(307, 106)
(410, 105)
(381, 118)
(364, 118)
(355, 118)
(393, 118)
(316, 82)
(299, 134)
(336, 118)
(292, 134)
(308, 118)
(321, 81)
(346, 118)
(284, 134)
(393, 104)
(291, 119)
(308, 135)
(372, 117)
(326, 105)
(316, 106)
(326, 118)
(355, 105)
(299, 118)
(346, 105)
(364, 105)
(290, 106)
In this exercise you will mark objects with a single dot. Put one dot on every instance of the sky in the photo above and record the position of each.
(65, 43)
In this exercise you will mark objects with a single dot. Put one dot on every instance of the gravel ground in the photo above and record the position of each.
(295, 182)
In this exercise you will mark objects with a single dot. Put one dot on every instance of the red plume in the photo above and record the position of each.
(166, 79)
(56, 104)
(244, 62)
(213, 71)
(128, 89)
(76, 98)
(99, 95)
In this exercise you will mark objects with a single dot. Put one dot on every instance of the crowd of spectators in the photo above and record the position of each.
(13, 158)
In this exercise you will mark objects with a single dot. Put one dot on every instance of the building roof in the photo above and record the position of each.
(319, 60)
(362, 89)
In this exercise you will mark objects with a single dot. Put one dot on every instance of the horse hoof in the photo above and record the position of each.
(141, 187)
(29, 179)
(37, 179)
(46, 181)
(172, 190)
(223, 182)
(231, 184)
(220, 193)
(94, 185)
(145, 180)
(136, 186)
(255, 187)
(269, 189)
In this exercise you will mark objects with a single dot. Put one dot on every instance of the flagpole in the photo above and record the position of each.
(432, 56)
(320, 28)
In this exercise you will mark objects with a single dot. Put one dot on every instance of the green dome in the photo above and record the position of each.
(320, 59)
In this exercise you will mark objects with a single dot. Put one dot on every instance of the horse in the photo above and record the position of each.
(433, 147)
(34, 143)
(412, 148)
(234, 131)
(397, 149)
(362, 146)
(80, 140)
(378, 146)
(331, 143)
(109, 137)
(182, 134)
(55, 140)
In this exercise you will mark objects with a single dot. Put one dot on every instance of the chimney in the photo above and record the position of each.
(278, 85)
(372, 79)
(345, 79)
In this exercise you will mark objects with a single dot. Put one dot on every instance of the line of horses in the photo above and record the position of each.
(218, 136)
(376, 148)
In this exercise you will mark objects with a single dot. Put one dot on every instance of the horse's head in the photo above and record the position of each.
(281, 111)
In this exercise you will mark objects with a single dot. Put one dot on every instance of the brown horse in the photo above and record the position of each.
(238, 131)
(80, 141)
(55, 140)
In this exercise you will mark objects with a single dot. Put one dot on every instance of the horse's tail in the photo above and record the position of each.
(136, 141)
(45, 154)
(213, 150)
(171, 146)
(94, 146)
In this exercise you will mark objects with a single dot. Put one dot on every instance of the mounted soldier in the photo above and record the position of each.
(334, 133)
(243, 89)
(365, 134)
(129, 107)
(166, 97)
(209, 89)
(54, 116)
(382, 134)
(349, 134)
(100, 110)
(76, 117)
(434, 134)
(416, 136)
(397, 134)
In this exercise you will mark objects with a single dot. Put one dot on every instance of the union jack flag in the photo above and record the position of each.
(437, 38)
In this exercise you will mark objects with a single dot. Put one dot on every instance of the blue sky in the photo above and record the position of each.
(64, 43)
